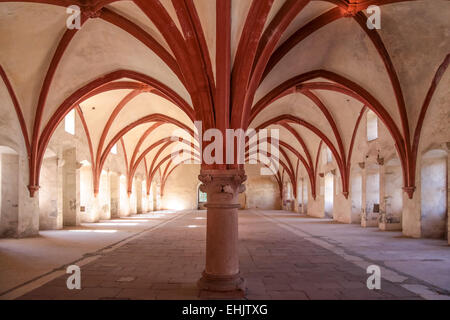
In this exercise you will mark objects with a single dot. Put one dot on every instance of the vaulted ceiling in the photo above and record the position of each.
(139, 70)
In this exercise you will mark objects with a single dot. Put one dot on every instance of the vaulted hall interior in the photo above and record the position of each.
(237, 149)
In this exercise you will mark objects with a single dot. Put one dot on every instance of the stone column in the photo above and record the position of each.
(150, 204)
(221, 277)
(9, 195)
(342, 208)
(305, 196)
(412, 208)
(383, 214)
(93, 212)
(138, 189)
(316, 207)
(411, 221)
(60, 188)
(363, 196)
(28, 222)
(114, 185)
(157, 197)
(132, 198)
(104, 197)
(299, 199)
(71, 189)
(296, 207)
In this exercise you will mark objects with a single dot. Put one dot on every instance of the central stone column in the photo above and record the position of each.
(222, 277)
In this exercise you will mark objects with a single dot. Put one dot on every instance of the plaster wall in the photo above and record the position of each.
(356, 196)
(393, 193)
(11, 136)
(72, 197)
(9, 218)
(180, 191)
(316, 207)
(434, 196)
(114, 184)
(262, 192)
(50, 195)
(372, 195)
(104, 197)
(133, 198)
(329, 195)
(124, 199)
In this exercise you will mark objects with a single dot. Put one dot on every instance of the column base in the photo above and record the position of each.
(221, 287)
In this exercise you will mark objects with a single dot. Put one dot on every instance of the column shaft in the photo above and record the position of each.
(221, 275)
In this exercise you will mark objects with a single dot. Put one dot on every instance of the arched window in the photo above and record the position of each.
(289, 191)
(114, 149)
(69, 122)
(372, 126)
(202, 196)
(329, 156)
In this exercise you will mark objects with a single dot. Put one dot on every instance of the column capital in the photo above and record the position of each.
(222, 187)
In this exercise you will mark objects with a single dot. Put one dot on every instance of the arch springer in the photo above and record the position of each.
(91, 12)
(144, 88)
(410, 191)
(351, 10)
(33, 189)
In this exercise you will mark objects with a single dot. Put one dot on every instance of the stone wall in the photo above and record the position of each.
(262, 192)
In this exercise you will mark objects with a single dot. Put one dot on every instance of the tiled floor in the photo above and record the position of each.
(283, 256)
(24, 260)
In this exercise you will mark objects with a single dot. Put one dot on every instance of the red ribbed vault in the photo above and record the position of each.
(226, 65)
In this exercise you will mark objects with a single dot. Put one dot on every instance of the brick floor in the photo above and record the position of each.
(166, 263)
